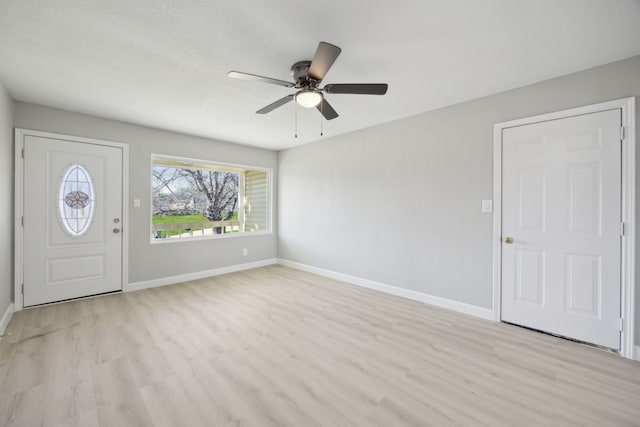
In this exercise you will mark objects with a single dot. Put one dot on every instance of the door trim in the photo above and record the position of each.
(627, 105)
(18, 264)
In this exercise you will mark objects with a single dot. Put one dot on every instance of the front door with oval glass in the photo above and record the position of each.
(72, 219)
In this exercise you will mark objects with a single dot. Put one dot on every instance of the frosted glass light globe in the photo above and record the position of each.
(308, 98)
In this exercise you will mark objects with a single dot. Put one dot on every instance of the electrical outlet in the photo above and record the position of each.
(136, 203)
(245, 252)
(487, 206)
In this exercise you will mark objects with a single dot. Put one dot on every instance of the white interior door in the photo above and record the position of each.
(72, 219)
(561, 227)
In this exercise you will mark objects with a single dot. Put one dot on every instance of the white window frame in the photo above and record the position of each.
(244, 234)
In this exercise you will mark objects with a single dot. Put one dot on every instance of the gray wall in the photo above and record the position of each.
(6, 200)
(400, 203)
(147, 261)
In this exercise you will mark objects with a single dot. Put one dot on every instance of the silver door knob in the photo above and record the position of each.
(116, 230)
(508, 240)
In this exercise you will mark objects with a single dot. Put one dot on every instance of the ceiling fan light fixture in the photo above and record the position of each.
(308, 98)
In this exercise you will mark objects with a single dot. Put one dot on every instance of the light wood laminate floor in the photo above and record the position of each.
(279, 347)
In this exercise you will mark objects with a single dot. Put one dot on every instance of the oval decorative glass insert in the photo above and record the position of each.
(76, 200)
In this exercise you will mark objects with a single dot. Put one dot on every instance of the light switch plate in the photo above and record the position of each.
(487, 206)
(136, 203)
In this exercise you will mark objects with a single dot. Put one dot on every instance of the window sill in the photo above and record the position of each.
(201, 238)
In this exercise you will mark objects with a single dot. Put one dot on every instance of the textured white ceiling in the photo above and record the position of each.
(163, 63)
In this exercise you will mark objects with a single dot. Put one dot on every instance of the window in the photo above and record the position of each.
(196, 198)
(76, 201)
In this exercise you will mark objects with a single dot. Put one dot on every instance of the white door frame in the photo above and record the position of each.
(628, 207)
(20, 135)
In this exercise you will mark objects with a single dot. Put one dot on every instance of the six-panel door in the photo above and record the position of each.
(561, 208)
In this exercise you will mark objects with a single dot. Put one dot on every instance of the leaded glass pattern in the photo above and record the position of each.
(76, 200)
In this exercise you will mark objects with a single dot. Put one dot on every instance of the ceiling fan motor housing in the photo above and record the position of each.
(300, 73)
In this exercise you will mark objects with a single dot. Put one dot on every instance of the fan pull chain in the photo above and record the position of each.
(321, 116)
(295, 109)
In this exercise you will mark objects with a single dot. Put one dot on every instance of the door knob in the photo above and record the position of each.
(508, 240)
(116, 230)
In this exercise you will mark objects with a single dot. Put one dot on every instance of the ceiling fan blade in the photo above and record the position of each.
(247, 76)
(279, 103)
(324, 58)
(327, 110)
(358, 88)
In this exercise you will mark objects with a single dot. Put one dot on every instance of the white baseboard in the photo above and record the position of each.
(6, 317)
(163, 281)
(636, 353)
(461, 307)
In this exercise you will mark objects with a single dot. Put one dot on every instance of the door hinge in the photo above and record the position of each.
(621, 324)
(22, 153)
(22, 221)
(622, 228)
(22, 289)
(622, 133)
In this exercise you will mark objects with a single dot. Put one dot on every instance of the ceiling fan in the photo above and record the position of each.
(308, 75)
